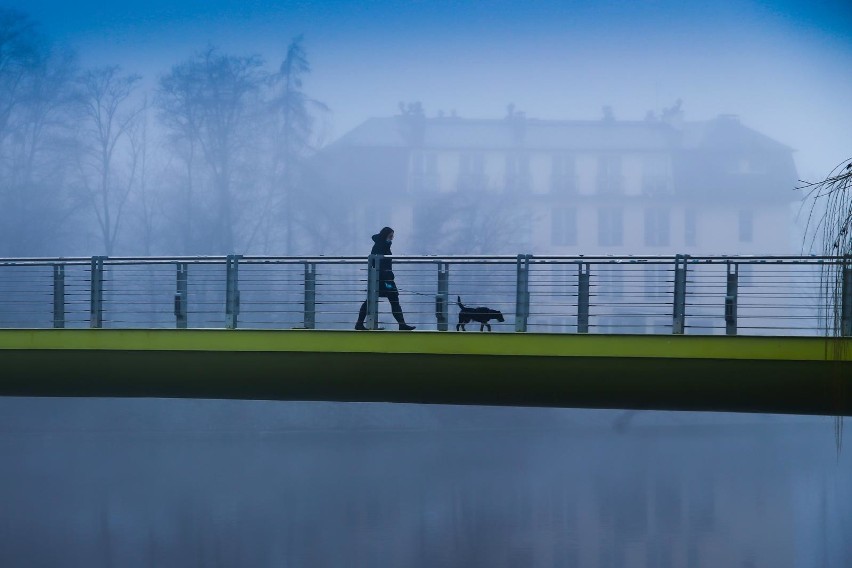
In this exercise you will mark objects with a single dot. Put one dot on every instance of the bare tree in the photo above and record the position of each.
(292, 140)
(19, 53)
(144, 203)
(472, 223)
(180, 113)
(207, 103)
(108, 114)
(35, 84)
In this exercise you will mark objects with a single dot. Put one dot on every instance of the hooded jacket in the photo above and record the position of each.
(381, 246)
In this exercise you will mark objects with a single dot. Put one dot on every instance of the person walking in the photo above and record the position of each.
(387, 287)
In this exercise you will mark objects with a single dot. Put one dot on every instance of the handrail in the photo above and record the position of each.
(733, 294)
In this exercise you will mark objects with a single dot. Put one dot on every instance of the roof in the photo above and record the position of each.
(728, 133)
(403, 131)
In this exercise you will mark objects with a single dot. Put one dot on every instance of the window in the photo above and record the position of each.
(424, 163)
(745, 274)
(424, 171)
(689, 223)
(656, 227)
(655, 176)
(610, 280)
(471, 171)
(657, 282)
(563, 177)
(609, 174)
(610, 231)
(517, 172)
(563, 226)
(655, 185)
(742, 165)
(472, 163)
(746, 226)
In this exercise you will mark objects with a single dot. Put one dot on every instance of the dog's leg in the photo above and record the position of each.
(489, 326)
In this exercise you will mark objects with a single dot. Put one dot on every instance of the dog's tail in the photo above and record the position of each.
(458, 301)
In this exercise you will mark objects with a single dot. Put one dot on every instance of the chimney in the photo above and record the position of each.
(673, 116)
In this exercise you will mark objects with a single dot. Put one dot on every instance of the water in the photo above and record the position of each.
(227, 483)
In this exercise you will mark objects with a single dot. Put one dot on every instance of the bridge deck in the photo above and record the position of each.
(750, 374)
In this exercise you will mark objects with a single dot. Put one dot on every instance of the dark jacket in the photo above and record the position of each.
(382, 247)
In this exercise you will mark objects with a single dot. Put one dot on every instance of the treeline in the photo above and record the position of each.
(213, 158)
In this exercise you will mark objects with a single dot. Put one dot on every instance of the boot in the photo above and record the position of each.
(405, 327)
(362, 314)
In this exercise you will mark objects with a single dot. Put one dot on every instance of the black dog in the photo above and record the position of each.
(480, 315)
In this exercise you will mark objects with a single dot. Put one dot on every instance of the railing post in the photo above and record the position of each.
(522, 297)
(442, 298)
(58, 295)
(679, 308)
(310, 316)
(96, 287)
(846, 301)
(731, 299)
(181, 295)
(232, 291)
(373, 265)
(583, 280)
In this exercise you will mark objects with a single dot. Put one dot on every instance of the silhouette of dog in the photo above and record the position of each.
(479, 315)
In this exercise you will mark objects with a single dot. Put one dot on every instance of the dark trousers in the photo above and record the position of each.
(393, 298)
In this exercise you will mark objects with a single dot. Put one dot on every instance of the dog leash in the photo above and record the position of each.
(413, 292)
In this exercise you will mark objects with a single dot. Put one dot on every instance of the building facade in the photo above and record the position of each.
(657, 186)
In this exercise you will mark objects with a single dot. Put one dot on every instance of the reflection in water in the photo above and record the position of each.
(206, 483)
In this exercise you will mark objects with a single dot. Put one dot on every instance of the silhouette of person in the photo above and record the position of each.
(387, 287)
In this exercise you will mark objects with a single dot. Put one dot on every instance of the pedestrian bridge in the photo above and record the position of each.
(752, 334)
(802, 375)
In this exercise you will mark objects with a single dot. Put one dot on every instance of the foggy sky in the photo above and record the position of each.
(781, 66)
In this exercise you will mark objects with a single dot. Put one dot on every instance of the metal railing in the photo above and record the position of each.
(750, 295)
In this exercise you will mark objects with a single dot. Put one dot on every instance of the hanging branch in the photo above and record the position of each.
(829, 227)
(833, 226)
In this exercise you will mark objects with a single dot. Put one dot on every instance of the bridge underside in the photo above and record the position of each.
(710, 373)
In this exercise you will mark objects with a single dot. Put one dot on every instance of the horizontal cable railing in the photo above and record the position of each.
(745, 295)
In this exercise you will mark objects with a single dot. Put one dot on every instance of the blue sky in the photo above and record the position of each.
(782, 66)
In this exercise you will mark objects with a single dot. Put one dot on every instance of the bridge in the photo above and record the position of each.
(747, 334)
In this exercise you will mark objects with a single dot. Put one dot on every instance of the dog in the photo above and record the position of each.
(480, 315)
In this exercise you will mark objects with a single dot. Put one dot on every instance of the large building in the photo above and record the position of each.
(517, 184)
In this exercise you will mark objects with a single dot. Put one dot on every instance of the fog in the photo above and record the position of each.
(301, 128)
(777, 64)
(171, 187)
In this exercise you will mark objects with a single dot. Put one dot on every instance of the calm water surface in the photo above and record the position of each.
(213, 483)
